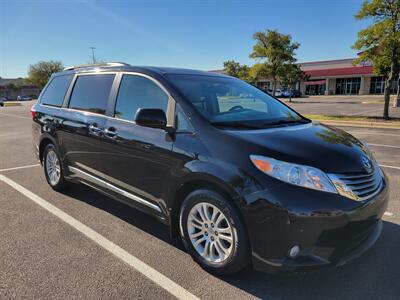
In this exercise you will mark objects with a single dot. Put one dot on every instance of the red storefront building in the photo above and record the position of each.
(337, 77)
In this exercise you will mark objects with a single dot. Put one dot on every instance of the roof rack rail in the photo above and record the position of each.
(109, 64)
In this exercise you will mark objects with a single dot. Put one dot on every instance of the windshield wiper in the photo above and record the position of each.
(243, 125)
(247, 125)
(287, 122)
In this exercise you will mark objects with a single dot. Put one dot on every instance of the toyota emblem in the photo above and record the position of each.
(366, 162)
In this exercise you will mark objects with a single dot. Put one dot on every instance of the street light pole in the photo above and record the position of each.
(93, 58)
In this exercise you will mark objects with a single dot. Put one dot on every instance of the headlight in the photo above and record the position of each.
(300, 175)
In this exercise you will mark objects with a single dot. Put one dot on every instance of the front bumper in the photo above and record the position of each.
(330, 229)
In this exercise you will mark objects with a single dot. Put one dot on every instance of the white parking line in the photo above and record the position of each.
(390, 167)
(388, 214)
(16, 116)
(152, 274)
(381, 145)
(18, 168)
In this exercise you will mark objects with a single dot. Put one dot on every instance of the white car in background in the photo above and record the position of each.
(278, 93)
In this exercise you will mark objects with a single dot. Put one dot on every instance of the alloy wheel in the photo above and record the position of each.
(210, 232)
(53, 168)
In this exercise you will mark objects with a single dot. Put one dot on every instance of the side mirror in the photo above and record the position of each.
(151, 117)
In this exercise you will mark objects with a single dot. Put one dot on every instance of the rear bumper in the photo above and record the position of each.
(327, 237)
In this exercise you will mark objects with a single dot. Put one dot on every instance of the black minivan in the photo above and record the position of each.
(240, 176)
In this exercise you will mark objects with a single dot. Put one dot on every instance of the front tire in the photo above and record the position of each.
(213, 233)
(53, 169)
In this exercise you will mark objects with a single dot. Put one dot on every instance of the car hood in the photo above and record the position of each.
(324, 147)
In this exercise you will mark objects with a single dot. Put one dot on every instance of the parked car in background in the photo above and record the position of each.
(239, 176)
(24, 98)
(291, 93)
(278, 93)
(2, 100)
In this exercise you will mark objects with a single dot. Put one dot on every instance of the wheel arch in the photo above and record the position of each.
(44, 141)
(196, 183)
(42, 145)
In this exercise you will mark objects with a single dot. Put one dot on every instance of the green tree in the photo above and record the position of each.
(380, 42)
(257, 72)
(235, 69)
(275, 50)
(291, 75)
(39, 73)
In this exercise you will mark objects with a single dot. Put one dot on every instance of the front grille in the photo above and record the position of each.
(360, 186)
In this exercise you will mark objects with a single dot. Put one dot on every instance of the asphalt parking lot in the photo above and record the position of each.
(81, 244)
(367, 105)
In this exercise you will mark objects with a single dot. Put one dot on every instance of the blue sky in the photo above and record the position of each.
(193, 34)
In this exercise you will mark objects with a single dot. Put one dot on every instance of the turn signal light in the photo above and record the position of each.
(262, 165)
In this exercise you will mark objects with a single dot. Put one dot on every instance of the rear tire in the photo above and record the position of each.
(213, 233)
(53, 169)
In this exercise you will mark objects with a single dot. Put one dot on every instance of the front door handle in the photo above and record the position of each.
(110, 133)
(94, 129)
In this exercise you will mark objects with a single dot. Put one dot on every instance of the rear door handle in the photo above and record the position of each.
(111, 133)
(94, 129)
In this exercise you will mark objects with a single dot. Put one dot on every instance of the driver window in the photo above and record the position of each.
(137, 92)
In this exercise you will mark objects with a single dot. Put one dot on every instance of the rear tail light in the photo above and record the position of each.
(33, 113)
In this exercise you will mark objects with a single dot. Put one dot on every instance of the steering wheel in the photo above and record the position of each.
(236, 107)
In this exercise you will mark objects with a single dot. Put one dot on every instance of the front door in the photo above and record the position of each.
(138, 158)
(348, 87)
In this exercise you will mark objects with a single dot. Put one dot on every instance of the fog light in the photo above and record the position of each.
(294, 251)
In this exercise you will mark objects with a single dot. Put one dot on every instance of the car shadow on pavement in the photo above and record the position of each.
(374, 275)
(122, 211)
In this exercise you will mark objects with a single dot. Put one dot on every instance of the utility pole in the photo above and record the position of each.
(93, 58)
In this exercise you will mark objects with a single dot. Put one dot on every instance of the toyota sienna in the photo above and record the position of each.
(238, 175)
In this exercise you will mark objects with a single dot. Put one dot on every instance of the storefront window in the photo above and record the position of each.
(315, 89)
(378, 85)
(347, 86)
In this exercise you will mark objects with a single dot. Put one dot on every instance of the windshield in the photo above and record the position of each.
(232, 102)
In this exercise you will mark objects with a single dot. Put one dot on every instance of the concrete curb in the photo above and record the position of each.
(12, 103)
(384, 125)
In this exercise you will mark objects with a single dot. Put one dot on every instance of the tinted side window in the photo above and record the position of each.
(91, 93)
(138, 92)
(56, 90)
(182, 122)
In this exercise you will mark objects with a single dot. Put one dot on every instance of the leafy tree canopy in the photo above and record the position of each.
(275, 50)
(40, 73)
(291, 75)
(235, 69)
(379, 43)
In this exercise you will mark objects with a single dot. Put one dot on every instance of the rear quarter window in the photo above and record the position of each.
(91, 93)
(55, 92)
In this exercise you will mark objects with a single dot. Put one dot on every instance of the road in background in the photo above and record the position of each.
(41, 256)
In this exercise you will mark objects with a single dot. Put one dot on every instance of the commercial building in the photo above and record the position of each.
(14, 87)
(337, 77)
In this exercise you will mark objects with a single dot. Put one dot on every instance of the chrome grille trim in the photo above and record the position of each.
(358, 187)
